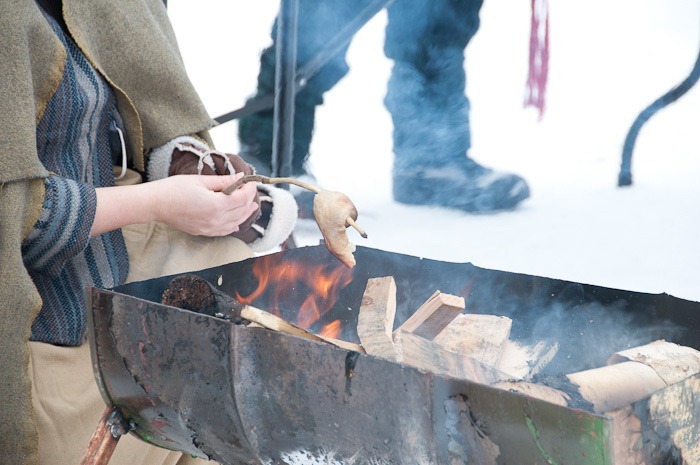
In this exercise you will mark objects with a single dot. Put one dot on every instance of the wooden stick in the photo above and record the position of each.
(268, 180)
(273, 322)
(194, 293)
(375, 321)
(434, 315)
(110, 429)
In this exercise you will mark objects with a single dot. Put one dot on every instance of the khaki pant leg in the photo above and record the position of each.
(68, 406)
(156, 250)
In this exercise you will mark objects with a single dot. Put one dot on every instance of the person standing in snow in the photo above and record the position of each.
(86, 86)
(425, 96)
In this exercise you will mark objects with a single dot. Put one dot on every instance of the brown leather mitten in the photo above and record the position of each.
(187, 159)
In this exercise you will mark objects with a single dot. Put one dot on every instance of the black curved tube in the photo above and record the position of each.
(625, 177)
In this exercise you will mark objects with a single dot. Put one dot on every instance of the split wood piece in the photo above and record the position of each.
(672, 412)
(523, 361)
(194, 293)
(672, 362)
(480, 337)
(434, 315)
(419, 352)
(375, 321)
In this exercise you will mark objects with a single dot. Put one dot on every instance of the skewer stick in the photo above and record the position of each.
(267, 180)
(352, 223)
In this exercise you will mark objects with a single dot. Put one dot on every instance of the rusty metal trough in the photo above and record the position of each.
(240, 395)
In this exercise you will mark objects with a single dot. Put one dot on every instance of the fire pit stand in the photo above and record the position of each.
(242, 395)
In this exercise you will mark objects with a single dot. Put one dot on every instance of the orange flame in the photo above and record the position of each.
(290, 281)
(331, 330)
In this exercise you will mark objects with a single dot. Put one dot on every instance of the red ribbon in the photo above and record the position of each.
(539, 56)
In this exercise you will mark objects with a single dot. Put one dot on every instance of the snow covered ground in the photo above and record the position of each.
(608, 61)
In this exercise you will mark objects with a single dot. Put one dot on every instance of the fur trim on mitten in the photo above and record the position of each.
(283, 218)
(160, 158)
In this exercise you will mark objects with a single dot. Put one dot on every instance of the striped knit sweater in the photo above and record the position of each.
(73, 142)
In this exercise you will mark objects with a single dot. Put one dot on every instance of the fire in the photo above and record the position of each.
(312, 288)
(331, 330)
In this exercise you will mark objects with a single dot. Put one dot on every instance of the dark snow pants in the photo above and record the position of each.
(426, 91)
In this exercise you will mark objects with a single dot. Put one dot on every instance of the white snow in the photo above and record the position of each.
(608, 61)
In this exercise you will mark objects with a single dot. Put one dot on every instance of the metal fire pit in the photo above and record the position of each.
(240, 395)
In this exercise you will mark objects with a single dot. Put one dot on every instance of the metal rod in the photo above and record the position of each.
(339, 41)
(285, 71)
(311, 67)
(266, 102)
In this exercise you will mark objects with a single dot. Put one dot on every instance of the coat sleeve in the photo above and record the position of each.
(63, 228)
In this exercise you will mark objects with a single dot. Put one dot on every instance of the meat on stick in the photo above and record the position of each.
(333, 212)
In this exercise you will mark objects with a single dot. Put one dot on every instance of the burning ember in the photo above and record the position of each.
(313, 289)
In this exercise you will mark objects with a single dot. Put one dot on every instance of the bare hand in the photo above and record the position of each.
(196, 205)
(191, 203)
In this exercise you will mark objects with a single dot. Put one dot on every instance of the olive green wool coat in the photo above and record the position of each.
(132, 44)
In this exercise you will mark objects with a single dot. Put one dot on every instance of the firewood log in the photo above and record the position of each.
(434, 315)
(614, 386)
(480, 337)
(672, 362)
(417, 351)
(375, 321)
(636, 373)
(633, 374)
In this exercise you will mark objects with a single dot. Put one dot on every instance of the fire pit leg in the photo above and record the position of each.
(110, 429)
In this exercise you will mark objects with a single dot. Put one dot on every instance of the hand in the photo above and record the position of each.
(187, 159)
(194, 204)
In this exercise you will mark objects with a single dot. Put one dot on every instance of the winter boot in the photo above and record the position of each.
(463, 185)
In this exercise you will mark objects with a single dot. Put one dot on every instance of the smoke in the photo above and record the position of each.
(589, 324)
(590, 333)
